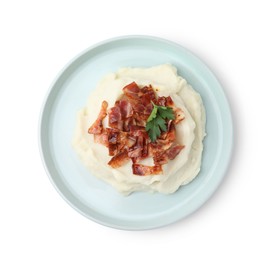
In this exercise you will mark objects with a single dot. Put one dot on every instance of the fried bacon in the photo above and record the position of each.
(132, 91)
(119, 159)
(126, 137)
(174, 151)
(143, 170)
(117, 141)
(125, 108)
(179, 115)
(101, 138)
(163, 157)
(165, 101)
(97, 126)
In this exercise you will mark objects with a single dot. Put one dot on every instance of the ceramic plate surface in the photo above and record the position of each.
(98, 200)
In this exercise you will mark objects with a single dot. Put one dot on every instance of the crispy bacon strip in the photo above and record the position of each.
(132, 91)
(115, 118)
(165, 101)
(101, 138)
(174, 151)
(179, 115)
(97, 126)
(164, 142)
(143, 170)
(119, 159)
(161, 158)
(147, 95)
(125, 108)
(117, 141)
(120, 112)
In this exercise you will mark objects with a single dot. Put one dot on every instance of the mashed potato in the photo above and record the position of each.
(189, 132)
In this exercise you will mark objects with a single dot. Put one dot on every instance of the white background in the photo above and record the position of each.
(235, 38)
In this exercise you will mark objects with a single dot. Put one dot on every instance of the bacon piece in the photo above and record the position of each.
(148, 109)
(134, 128)
(128, 123)
(132, 90)
(112, 137)
(139, 151)
(174, 151)
(117, 140)
(115, 118)
(139, 108)
(179, 115)
(142, 112)
(161, 101)
(144, 106)
(138, 131)
(165, 101)
(164, 142)
(119, 159)
(147, 95)
(136, 151)
(130, 141)
(161, 158)
(101, 138)
(170, 135)
(143, 170)
(119, 113)
(125, 108)
(97, 126)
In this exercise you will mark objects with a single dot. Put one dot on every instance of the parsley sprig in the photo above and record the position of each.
(156, 122)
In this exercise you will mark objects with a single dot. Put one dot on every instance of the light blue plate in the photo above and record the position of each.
(96, 199)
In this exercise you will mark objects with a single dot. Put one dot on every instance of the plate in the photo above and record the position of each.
(92, 197)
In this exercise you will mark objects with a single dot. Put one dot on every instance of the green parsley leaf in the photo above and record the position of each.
(153, 112)
(157, 121)
(161, 123)
(167, 113)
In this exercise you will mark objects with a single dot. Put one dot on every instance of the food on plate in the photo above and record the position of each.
(141, 125)
(142, 130)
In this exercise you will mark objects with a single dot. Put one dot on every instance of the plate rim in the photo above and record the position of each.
(51, 88)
